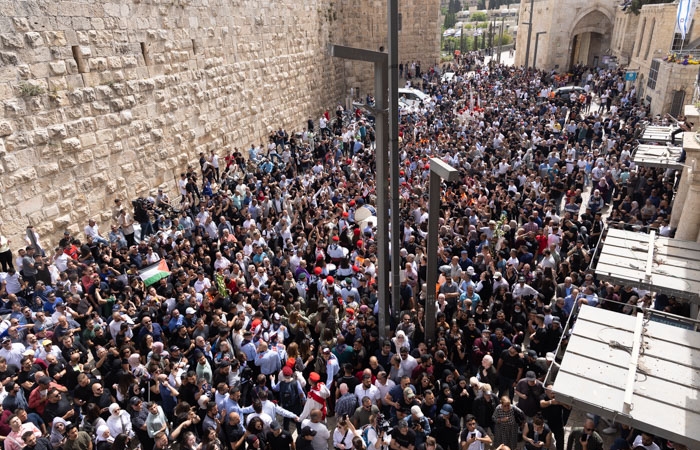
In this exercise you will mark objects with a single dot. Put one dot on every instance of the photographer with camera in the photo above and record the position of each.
(420, 424)
(376, 434)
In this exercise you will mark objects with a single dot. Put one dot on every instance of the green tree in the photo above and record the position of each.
(450, 20)
(636, 5)
(479, 17)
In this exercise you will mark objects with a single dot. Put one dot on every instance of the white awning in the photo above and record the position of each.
(639, 373)
(659, 264)
(660, 156)
(657, 134)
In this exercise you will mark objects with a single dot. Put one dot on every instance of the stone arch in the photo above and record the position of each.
(591, 36)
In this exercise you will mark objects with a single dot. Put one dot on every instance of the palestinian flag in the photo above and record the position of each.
(155, 272)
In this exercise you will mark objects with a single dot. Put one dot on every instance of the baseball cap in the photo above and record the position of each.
(408, 392)
(287, 371)
(530, 376)
(135, 401)
(446, 409)
(308, 431)
(190, 311)
(274, 425)
(415, 409)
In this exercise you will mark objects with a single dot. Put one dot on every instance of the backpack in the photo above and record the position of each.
(365, 434)
(289, 397)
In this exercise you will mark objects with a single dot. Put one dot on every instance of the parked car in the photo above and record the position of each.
(564, 93)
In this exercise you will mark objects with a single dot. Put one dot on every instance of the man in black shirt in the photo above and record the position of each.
(277, 438)
(232, 431)
(556, 414)
(510, 369)
(402, 437)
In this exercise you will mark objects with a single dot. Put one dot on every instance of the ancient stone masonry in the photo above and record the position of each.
(103, 99)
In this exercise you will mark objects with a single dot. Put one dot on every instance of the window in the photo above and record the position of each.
(653, 73)
(678, 42)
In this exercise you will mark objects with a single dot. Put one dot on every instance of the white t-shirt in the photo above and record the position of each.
(638, 443)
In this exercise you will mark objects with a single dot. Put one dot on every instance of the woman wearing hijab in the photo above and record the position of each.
(58, 433)
(119, 421)
(103, 438)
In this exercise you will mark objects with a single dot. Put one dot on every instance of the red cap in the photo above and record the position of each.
(336, 238)
(402, 173)
(350, 311)
(287, 371)
(330, 279)
(356, 231)
(355, 269)
(360, 243)
(317, 270)
(352, 203)
(319, 257)
(345, 213)
(314, 377)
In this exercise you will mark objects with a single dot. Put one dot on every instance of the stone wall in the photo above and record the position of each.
(419, 36)
(108, 99)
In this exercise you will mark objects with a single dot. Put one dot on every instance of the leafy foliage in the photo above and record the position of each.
(636, 5)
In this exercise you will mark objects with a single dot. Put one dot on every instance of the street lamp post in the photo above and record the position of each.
(438, 171)
(537, 43)
(380, 61)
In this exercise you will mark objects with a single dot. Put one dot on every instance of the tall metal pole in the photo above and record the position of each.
(500, 40)
(529, 35)
(380, 61)
(438, 171)
(393, 47)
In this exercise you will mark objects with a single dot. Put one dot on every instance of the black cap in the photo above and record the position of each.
(135, 401)
(274, 425)
(308, 431)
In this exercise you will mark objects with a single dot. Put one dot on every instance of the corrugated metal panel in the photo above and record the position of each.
(661, 156)
(666, 390)
(657, 134)
(675, 265)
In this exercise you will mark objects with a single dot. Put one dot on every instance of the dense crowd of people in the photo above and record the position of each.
(245, 307)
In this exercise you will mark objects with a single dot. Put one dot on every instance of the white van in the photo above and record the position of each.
(413, 97)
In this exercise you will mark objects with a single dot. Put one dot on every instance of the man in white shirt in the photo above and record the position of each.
(645, 440)
(92, 230)
(367, 389)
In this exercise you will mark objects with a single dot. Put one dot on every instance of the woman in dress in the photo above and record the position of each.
(507, 419)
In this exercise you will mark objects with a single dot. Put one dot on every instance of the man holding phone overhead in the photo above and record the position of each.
(473, 437)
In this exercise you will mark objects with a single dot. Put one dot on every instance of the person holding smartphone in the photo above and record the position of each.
(584, 438)
(473, 437)
(537, 434)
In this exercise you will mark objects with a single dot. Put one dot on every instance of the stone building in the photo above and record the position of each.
(574, 32)
(105, 99)
(597, 32)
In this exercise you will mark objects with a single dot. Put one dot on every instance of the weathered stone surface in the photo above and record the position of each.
(134, 89)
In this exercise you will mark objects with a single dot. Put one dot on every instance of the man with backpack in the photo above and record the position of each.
(290, 393)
